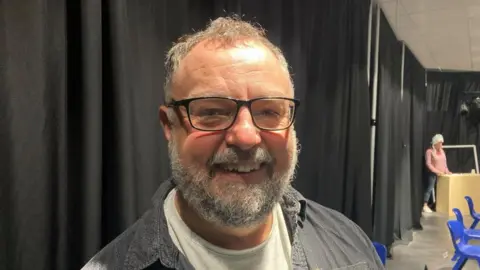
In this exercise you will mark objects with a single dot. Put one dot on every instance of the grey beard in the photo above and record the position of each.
(230, 204)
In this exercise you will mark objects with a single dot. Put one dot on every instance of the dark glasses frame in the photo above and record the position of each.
(240, 103)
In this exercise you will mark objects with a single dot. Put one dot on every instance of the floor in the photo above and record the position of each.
(431, 247)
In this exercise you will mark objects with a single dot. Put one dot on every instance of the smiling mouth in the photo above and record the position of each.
(240, 168)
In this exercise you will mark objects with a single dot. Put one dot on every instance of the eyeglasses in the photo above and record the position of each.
(219, 113)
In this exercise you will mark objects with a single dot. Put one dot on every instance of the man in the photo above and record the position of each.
(233, 150)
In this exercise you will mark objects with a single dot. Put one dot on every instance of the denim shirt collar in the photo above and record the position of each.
(152, 240)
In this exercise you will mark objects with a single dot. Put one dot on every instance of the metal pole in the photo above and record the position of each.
(458, 146)
(374, 102)
(476, 158)
(474, 147)
(402, 72)
(369, 42)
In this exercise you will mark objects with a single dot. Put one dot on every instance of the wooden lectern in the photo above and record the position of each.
(452, 189)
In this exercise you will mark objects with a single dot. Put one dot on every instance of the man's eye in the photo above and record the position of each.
(267, 113)
(213, 112)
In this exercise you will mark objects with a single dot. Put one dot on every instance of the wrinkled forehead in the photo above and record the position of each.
(211, 51)
(218, 66)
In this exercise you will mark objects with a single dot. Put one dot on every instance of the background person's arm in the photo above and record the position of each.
(448, 171)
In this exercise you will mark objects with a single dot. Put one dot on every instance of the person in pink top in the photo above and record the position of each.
(436, 162)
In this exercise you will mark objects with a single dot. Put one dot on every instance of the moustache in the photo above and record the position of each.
(233, 155)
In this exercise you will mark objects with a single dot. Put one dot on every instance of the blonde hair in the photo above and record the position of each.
(436, 139)
(227, 30)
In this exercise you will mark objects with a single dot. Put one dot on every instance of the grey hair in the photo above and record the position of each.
(227, 30)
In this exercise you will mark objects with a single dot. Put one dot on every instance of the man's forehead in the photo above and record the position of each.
(213, 65)
(213, 52)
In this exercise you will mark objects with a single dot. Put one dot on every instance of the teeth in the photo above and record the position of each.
(241, 168)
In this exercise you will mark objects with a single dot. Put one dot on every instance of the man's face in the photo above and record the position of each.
(232, 177)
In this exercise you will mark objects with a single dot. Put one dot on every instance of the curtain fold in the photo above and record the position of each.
(32, 132)
(388, 149)
(334, 163)
(414, 83)
(399, 152)
(392, 176)
(403, 182)
(81, 147)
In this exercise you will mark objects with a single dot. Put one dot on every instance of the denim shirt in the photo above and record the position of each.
(321, 239)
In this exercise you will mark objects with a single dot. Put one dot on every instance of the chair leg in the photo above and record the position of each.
(455, 256)
(474, 224)
(462, 260)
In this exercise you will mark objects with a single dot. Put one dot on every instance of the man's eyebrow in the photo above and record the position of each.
(219, 92)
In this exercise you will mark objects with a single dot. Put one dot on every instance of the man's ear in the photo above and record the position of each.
(165, 122)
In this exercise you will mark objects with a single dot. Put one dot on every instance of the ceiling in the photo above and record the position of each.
(443, 34)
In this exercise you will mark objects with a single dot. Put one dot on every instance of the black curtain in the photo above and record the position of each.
(445, 94)
(81, 149)
(389, 150)
(334, 125)
(399, 148)
(414, 85)
(403, 178)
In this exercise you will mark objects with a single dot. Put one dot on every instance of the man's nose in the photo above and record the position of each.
(243, 133)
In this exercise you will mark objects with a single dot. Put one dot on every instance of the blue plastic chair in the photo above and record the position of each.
(469, 233)
(381, 251)
(464, 252)
(475, 215)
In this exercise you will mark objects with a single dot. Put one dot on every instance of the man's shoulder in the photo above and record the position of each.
(332, 222)
(114, 254)
(327, 218)
(143, 244)
(344, 238)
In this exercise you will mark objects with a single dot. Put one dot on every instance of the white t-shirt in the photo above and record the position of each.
(273, 254)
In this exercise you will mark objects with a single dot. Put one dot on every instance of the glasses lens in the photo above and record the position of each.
(273, 113)
(212, 113)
